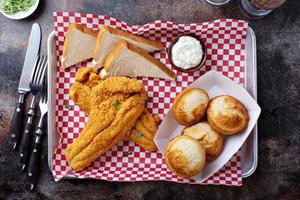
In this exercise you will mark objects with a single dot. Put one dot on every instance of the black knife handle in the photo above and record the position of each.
(35, 158)
(26, 142)
(17, 122)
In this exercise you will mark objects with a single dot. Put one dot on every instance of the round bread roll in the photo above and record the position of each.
(185, 156)
(227, 115)
(189, 106)
(208, 138)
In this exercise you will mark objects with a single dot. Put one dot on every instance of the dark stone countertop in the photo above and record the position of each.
(278, 44)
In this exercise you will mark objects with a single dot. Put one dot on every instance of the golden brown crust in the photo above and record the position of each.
(108, 123)
(156, 45)
(113, 55)
(144, 131)
(79, 27)
(179, 103)
(89, 31)
(233, 117)
(99, 41)
(150, 58)
(146, 121)
(80, 91)
(156, 119)
(142, 141)
(211, 140)
(85, 93)
(177, 164)
(123, 44)
(178, 161)
(95, 141)
(83, 74)
(80, 94)
(83, 29)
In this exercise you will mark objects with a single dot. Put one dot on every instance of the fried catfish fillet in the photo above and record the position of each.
(145, 128)
(80, 91)
(144, 131)
(113, 106)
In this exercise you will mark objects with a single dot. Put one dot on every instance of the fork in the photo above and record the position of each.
(35, 86)
(35, 157)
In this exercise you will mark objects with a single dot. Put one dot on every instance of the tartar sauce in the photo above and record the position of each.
(187, 52)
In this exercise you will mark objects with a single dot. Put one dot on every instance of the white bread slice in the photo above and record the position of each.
(128, 60)
(79, 45)
(108, 37)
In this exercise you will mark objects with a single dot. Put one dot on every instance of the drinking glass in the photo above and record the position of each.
(218, 2)
(259, 8)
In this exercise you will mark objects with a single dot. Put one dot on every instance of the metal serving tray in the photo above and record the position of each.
(249, 149)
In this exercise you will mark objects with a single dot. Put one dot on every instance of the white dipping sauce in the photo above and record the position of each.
(187, 52)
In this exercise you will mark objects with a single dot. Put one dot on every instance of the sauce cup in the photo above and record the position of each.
(193, 69)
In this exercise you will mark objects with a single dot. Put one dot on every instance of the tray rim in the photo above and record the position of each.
(254, 93)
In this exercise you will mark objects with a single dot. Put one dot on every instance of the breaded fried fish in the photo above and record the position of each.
(113, 106)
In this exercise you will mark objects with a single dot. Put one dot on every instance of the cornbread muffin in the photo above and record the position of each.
(185, 156)
(227, 115)
(189, 106)
(210, 139)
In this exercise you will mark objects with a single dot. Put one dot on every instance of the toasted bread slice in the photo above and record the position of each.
(79, 45)
(108, 37)
(129, 60)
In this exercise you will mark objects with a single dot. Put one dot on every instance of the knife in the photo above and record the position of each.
(26, 76)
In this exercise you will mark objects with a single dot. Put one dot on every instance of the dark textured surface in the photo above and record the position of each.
(278, 45)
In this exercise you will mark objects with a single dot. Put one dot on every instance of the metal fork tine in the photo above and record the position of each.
(35, 68)
(45, 67)
(37, 71)
(42, 71)
(44, 91)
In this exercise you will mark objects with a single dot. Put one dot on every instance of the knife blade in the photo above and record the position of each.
(26, 76)
(30, 58)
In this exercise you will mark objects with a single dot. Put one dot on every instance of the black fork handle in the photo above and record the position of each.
(27, 135)
(26, 142)
(35, 159)
(17, 122)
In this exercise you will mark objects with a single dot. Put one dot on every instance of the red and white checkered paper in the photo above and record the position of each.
(225, 41)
